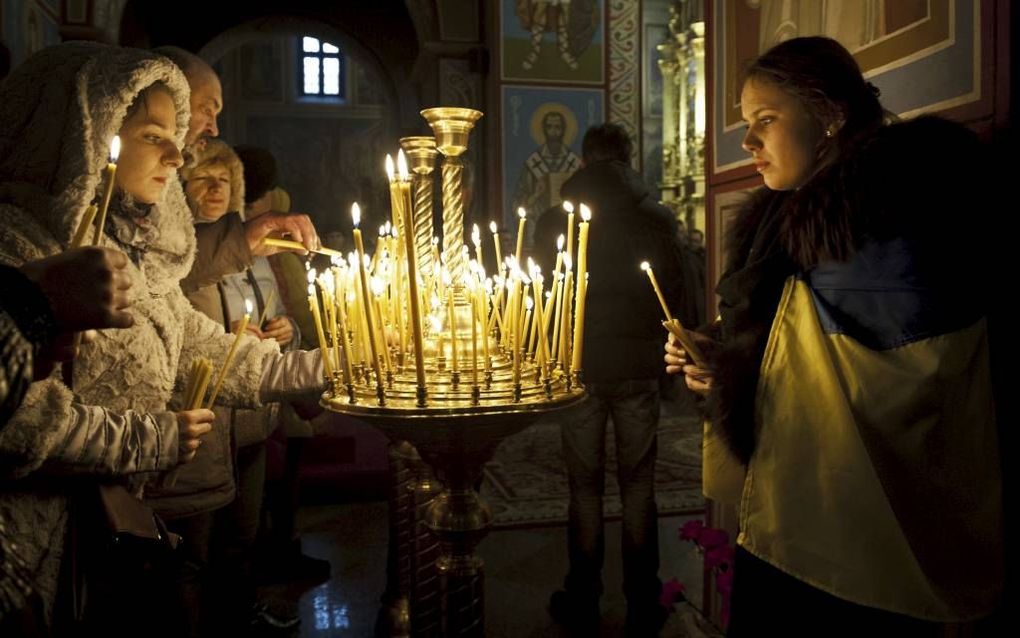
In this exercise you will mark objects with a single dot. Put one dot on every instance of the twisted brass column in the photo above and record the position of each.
(421, 153)
(452, 126)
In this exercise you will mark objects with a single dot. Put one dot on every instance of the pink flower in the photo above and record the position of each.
(691, 530)
(672, 592)
(719, 556)
(710, 538)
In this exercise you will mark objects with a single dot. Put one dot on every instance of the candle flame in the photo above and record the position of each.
(387, 226)
(435, 241)
(568, 262)
(585, 213)
(528, 304)
(248, 307)
(389, 167)
(476, 235)
(521, 212)
(115, 149)
(645, 265)
(382, 230)
(356, 214)
(311, 289)
(559, 243)
(378, 287)
(311, 274)
(492, 227)
(402, 166)
(568, 206)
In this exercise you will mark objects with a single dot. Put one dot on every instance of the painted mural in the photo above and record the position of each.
(553, 40)
(542, 131)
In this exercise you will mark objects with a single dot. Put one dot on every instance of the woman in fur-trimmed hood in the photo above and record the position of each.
(59, 112)
(849, 372)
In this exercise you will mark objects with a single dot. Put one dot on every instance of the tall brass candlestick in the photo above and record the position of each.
(452, 126)
(414, 298)
(366, 296)
(421, 152)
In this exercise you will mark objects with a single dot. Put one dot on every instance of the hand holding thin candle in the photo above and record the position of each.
(672, 324)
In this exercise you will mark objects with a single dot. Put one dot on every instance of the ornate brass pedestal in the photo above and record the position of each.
(456, 443)
(477, 369)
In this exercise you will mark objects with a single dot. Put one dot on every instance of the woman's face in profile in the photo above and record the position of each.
(149, 156)
(208, 191)
(781, 137)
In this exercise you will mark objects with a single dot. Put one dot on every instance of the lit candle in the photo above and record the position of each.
(495, 242)
(582, 288)
(559, 255)
(476, 239)
(313, 306)
(567, 307)
(528, 305)
(483, 305)
(522, 214)
(645, 266)
(366, 294)
(109, 173)
(396, 201)
(569, 207)
(474, 333)
(558, 295)
(412, 280)
(230, 353)
(345, 353)
(378, 287)
(451, 318)
(290, 244)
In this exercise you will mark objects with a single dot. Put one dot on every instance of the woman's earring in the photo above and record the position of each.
(828, 132)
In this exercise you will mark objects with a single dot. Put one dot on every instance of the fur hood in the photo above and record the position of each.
(219, 152)
(58, 114)
(60, 111)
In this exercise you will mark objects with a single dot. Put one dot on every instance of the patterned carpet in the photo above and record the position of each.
(526, 482)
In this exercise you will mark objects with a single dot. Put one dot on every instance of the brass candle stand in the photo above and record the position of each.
(475, 373)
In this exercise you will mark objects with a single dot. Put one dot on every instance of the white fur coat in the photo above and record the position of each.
(58, 113)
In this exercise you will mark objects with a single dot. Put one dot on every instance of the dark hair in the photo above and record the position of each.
(606, 142)
(140, 99)
(259, 171)
(545, 118)
(824, 77)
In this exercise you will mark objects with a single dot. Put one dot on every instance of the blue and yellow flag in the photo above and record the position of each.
(876, 473)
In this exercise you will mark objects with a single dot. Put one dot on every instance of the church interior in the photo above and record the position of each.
(328, 89)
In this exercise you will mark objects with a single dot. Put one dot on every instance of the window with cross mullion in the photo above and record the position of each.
(322, 69)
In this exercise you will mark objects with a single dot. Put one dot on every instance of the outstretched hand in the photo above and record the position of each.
(296, 226)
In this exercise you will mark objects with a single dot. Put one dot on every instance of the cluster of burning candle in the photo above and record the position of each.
(379, 316)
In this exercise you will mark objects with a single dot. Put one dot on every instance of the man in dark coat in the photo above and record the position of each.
(622, 339)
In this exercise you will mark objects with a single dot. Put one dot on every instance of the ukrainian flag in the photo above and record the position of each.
(876, 473)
